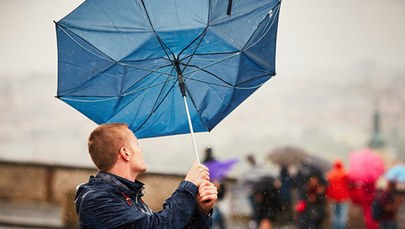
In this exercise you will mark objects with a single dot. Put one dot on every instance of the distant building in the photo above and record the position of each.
(378, 143)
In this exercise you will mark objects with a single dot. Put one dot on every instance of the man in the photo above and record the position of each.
(113, 198)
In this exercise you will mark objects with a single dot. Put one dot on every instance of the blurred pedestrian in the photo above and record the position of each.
(113, 198)
(285, 195)
(304, 173)
(311, 208)
(208, 155)
(338, 194)
(267, 201)
(218, 218)
(362, 194)
(390, 203)
(249, 180)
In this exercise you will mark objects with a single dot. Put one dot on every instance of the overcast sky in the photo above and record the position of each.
(331, 55)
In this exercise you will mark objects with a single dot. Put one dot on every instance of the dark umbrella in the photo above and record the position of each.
(318, 162)
(288, 155)
(165, 67)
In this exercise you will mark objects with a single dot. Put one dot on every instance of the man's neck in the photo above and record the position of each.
(123, 173)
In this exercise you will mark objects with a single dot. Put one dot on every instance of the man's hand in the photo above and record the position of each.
(198, 174)
(206, 197)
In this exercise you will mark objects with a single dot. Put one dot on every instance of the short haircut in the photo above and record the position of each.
(104, 144)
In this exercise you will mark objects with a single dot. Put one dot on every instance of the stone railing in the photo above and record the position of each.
(56, 184)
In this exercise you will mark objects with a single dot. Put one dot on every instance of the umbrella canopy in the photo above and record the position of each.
(288, 155)
(318, 162)
(396, 173)
(365, 166)
(138, 61)
(306, 171)
(219, 169)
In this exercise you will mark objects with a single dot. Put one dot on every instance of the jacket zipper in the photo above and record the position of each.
(127, 198)
(142, 205)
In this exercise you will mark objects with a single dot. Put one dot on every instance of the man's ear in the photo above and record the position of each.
(124, 153)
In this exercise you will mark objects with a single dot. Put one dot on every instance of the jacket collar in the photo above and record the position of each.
(121, 183)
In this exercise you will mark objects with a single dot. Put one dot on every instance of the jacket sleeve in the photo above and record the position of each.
(200, 220)
(179, 211)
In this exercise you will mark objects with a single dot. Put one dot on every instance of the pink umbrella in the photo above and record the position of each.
(365, 166)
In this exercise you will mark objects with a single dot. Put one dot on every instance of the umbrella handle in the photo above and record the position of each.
(191, 130)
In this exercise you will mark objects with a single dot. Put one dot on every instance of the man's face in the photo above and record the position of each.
(137, 160)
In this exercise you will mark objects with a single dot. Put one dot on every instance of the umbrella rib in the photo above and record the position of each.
(72, 90)
(230, 85)
(64, 29)
(108, 59)
(74, 98)
(269, 27)
(214, 63)
(164, 46)
(219, 61)
(145, 69)
(213, 53)
(116, 62)
(196, 38)
(253, 87)
(210, 73)
(195, 49)
(130, 92)
(150, 86)
(227, 84)
(106, 98)
(156, 105)
(111, 59)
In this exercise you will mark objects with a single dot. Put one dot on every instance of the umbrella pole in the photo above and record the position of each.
(191, 130)
(183, 93)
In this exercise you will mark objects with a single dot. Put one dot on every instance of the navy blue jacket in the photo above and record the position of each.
(109, 201)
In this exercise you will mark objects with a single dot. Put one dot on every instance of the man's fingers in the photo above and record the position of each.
(209, 197)
(203, 170)
(207, 191)
(206, 185)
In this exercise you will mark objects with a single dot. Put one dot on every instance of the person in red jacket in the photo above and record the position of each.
(338, 194)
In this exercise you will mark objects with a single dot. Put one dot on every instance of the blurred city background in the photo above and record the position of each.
(339, 87)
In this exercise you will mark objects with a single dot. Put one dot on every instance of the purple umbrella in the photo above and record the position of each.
(219, 169)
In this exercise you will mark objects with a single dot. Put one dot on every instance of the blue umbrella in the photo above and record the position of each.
(165, 67)
(396, 173)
